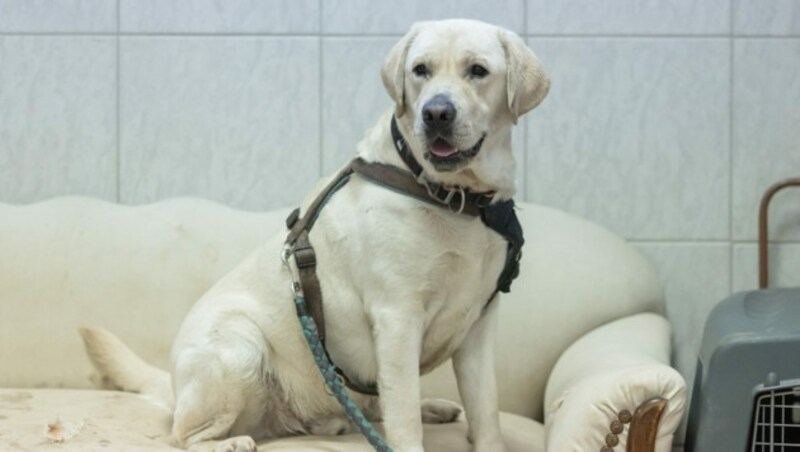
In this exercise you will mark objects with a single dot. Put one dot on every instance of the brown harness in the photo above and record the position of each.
(501, 219)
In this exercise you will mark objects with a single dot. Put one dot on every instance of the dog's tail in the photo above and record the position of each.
(120, 368)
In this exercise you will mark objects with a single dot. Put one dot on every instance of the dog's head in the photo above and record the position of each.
(459, 86)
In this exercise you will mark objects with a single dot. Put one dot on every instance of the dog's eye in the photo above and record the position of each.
(478, 71)
(421, 70)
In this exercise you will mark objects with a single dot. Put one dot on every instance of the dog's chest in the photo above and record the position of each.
(417, 257)
(451, 308)
(455, 270)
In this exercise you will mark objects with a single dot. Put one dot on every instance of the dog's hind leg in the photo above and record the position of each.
(220, 390)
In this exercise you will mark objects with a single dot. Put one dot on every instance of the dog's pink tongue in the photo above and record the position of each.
(442, 148)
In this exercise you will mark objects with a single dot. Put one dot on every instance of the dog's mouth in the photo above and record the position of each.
(442, 148)
(446, 156)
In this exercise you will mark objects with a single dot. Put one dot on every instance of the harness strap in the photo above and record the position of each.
(306, 222)
(501, 218)
(306, 261)
(402, 182)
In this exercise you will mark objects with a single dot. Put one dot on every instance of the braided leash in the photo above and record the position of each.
(332, 381)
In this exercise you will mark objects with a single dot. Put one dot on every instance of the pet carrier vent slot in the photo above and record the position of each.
(776, 421)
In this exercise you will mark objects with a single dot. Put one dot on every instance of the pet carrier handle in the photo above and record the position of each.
(763, 233)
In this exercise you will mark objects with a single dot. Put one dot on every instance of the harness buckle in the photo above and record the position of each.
(485, 200)
(435, 192)
(305, 257)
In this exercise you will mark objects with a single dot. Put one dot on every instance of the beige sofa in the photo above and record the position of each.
(583, 359)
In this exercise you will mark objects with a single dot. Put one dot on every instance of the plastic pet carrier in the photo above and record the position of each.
(746, 392)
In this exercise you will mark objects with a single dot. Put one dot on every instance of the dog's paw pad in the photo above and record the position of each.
(439, 411)
(237, 444)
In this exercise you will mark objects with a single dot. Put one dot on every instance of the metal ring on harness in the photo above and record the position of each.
(463, 200)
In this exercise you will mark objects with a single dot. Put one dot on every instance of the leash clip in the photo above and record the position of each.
(286, 252)
(294, 284)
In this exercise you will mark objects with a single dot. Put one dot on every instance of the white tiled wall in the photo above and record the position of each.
(214, 16)
(58, 16)
(394, 17)
(230, 118)
(635, 134)
(629, 17)
(57, 116)
(665, 122)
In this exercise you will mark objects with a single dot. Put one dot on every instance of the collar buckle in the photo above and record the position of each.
(485, 200)
(440, 193)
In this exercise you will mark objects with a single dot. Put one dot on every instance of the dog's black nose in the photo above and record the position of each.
(438, 112)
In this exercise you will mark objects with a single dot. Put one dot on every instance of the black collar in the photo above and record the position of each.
(438, 192)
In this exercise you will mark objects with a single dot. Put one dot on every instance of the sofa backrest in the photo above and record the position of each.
(136, 271)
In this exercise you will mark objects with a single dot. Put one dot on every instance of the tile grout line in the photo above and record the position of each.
(731, 154)
(321, 93)
(117, 90)
(525, 128)
(686, 241)
(157, 34)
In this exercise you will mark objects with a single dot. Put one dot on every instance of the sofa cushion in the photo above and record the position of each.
(37, 419)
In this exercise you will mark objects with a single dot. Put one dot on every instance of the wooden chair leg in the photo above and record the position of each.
(643, 430)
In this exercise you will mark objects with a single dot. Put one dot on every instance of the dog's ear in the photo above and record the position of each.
(393, 71)
(526, 82)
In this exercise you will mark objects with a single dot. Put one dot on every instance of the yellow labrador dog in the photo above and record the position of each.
(405, 282)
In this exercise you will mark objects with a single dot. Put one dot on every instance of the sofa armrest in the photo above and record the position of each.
(613, 390)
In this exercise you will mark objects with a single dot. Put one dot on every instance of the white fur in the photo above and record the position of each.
(405, 283)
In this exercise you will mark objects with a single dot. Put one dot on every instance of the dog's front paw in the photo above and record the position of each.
(439, 411)
(237, 444)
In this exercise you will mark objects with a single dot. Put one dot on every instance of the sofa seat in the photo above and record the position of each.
(582, 342)
(92, 420)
